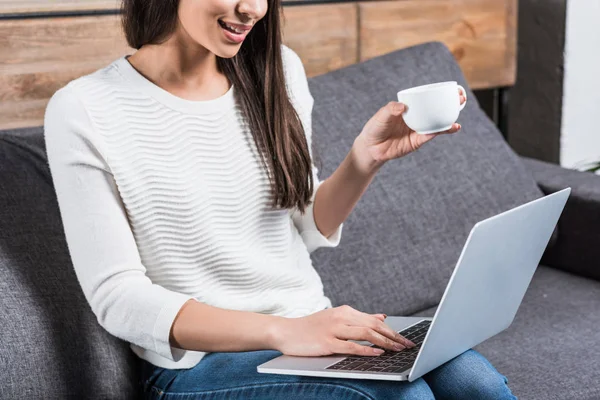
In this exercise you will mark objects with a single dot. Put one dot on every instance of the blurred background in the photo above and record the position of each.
(533, 63)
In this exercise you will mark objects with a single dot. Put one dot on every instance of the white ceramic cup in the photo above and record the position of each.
(432, 108)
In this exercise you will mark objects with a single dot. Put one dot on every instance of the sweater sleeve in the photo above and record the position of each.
(303, 101)
(99, 238)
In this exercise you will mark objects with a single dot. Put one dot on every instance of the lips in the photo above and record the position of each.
(235, 33)
(235, 28)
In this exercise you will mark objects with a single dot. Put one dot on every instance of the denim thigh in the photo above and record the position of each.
(468, 376)
(234, 376)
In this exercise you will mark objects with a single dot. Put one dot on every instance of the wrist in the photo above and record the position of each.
(274, 332)
(363, 159)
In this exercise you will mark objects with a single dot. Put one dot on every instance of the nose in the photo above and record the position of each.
(252, 9)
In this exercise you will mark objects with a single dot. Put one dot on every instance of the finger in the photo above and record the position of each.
(345, 347)
(455, 128)
(383, 329)
(462, 95)
(395, 108)
(380, 317)
(364, 333)
(388, 332)
(388, 114)
(361, 319)
(421, 138)
(375, 324)
(354, 317)
(392, 108)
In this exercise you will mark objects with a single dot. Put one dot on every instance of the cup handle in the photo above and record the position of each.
(465, 93)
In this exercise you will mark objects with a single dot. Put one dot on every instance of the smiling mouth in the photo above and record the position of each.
(232, 28)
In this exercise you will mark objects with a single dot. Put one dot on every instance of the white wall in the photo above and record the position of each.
(580, 133)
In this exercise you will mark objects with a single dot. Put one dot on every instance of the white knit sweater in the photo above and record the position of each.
(164, 200)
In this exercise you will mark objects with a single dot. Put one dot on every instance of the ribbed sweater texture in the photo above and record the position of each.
(164, 200)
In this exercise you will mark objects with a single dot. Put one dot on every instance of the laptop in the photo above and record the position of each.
(481, 300)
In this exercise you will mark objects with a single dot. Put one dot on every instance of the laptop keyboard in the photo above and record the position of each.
(389, 361)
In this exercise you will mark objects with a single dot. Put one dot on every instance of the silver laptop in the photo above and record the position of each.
(482, 297)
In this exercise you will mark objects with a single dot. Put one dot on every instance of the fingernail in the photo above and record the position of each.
(378, 351)
(384, 315)
(399, 347)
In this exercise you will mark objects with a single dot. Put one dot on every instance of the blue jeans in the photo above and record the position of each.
(234, 376)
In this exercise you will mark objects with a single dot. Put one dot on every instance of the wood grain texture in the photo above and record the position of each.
(39, 56)
(324, 36)
(480, 33)
(58, 6)
(55, 6)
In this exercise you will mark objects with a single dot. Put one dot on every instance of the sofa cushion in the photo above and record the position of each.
(401, 243)
(52, 345)
(551, 349)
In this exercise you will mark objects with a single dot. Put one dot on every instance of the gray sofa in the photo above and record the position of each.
(397, 252)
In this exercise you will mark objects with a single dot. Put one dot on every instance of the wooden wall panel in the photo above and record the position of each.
(480, 33)
(324, 36)
(55, 6)
(39, 56)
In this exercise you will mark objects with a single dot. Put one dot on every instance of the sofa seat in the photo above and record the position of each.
(551, 349)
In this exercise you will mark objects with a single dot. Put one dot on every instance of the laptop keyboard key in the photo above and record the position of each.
(389, 361)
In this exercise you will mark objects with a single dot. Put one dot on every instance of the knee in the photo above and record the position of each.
(486, 385)
(470, 376)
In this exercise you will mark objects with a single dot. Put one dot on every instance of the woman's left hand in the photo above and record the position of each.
(386, 136)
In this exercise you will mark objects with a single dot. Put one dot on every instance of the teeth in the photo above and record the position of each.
(233, 28)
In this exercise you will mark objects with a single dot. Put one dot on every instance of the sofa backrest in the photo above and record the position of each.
(51, 346)
(401, 243)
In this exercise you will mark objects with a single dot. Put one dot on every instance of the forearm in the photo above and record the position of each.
(202, 327)
(337, 196)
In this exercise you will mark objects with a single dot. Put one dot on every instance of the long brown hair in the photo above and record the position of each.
(257, 73)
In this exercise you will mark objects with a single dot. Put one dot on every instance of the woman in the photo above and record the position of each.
(190, 205)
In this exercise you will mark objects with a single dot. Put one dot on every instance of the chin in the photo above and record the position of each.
(225, 52)
(220, 49)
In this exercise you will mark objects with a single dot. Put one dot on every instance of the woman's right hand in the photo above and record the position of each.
(329, 331)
